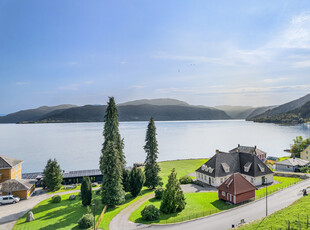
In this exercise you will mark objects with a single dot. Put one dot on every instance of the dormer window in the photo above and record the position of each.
(225, 167)
(247, 166)
(261, 168)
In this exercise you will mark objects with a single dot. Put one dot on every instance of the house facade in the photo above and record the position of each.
(222, 165)
(11, 181)
(291, 165)
(236, 189)
(305, 154)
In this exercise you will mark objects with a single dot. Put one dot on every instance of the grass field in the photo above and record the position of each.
(63, 215)
(182, 167)
(206, 202)
(203, 204)
(296, 214)
(63, 189)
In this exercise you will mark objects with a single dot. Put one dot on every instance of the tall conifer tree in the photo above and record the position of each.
(112, 192)
(151, 170)
(86, 191)
(173, 199)
(112, 160)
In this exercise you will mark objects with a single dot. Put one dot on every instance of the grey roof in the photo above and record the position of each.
(8, 162)
(81, 173)
(293, 162)
(236, 163)
(247, 149)
(16, 185)
(71, 174)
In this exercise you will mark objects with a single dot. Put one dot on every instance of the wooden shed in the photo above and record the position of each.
(236, 189)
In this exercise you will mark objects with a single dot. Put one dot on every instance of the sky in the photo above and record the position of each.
(209, 53)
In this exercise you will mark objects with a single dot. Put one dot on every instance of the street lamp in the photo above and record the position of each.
(94, 205)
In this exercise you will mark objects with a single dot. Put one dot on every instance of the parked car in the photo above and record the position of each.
(9, 199)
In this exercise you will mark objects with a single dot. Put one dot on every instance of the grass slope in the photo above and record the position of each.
(296, 213)
(206, 202)
(63, 215)
(203, 204)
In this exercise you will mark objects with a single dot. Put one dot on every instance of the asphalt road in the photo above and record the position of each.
(224, 220)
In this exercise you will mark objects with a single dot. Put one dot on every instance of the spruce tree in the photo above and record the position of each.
(112, 159)
(173, 199)
(151, 169)
(125, 182)
(111, 131)
(86, 191)
(136, 180)
(52, 175)
(112, 192)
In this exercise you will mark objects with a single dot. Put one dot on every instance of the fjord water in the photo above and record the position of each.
(77, 146)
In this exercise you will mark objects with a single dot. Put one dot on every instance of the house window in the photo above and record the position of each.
(221, 180)
(205, 177)
(307, 152)
(252, 180)
(307, 158)
(212, 180)
(223, 193)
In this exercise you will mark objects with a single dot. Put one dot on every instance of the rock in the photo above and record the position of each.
(72, 197)
(30, 217)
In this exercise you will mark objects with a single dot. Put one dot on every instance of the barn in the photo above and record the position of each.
(236, 189)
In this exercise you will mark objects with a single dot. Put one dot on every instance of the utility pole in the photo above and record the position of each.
(266, 197)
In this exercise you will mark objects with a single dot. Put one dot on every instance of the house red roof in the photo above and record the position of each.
(236, 184)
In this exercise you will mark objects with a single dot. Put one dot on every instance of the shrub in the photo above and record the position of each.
(95, 184)
(186, 180)
(98, 192)
(150, 212)
(56, 199)
(86, 221)
(159, 193)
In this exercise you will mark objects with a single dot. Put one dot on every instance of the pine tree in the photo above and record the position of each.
(111, 131)
(86, 191)
(173, 199)
(125, 182)
(52, 176)
(151, 169)
(136, 180)
(112, 192)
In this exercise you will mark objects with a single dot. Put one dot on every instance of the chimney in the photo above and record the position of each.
(217, 151)
(255, 147)
(238, 145)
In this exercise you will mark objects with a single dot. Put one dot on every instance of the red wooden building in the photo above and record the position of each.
(236, 189)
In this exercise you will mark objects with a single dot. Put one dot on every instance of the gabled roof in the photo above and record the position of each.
(236, 163)
(236, 184)
(16, 185)
(293, 162)
(8, 162)
(247, 149)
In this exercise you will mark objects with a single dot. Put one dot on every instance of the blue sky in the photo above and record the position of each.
(204, 52)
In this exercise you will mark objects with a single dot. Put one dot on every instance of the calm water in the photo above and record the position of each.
(77, 145)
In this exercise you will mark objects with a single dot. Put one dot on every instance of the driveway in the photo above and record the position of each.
(10, 213)
(224, 220)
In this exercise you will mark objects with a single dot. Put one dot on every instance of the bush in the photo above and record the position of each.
(86, 221)
(186, 180)
(95, 184)
(159, 193)
(98, 192)
(56, 199)
(150, 212)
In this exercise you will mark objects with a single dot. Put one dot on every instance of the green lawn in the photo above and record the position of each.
(284, 182)
(63, 215)
(197, 205)
(112, 212)
(63, 189)
(296, 213)
(182, 167)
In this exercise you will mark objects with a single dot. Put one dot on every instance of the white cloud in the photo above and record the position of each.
(69, 87)
(275, 80)
(123, 62)
(137, 86)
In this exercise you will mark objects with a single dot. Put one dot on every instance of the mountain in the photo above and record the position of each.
(242, 112)
(297, 116)
(32, 114)
(142, 112)
(159, 101)
(285, 108)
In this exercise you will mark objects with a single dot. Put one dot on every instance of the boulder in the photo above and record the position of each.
(72, 197)
(30, 217)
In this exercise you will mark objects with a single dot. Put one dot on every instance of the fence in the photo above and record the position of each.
(100, 218)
